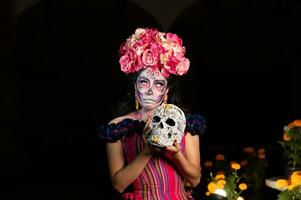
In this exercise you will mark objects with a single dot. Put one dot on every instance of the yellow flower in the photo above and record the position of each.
(227, 181)
(235, 165)
(219, 157)
(291, 187)
(242, 186)
(281, 183)
(296, 178)
(220, 176)
(221, 183)
(212, 187)
(296, 173)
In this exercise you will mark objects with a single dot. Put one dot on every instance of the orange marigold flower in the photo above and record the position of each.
(208, 193)
(261, 156)
(208, 163)
(297, 123)
(212, 187)
(248, 150)
(296, 173)
(235, 165)
(296, 178)
(242, 186)
(286, 137)
(261, 150)
(281, 183)
(219, 157)
(221, 183)
(220, 176)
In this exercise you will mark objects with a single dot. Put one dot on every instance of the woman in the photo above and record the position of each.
(139, 170)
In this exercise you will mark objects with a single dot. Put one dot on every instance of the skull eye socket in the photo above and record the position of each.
(170, 122)
(156, 119)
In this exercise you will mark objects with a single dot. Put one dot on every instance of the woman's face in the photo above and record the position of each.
(151, 87)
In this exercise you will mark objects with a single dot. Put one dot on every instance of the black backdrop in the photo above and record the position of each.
(63, 80)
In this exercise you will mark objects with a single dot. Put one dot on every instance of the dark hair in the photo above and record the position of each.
(127, 103)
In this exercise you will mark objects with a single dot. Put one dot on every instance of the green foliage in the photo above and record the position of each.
(294, 194)
(231, 186)
(292, 145)
(225, 175)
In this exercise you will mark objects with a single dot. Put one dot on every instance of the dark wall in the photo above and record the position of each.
(69, 82)
(245, 67)
(244, 79)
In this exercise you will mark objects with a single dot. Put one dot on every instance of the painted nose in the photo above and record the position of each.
(149, 92)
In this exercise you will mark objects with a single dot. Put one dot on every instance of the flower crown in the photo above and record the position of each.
(151, 48)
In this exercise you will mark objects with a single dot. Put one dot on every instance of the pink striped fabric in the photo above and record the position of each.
(160, 179)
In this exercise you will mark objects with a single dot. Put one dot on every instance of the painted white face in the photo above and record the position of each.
(150, 88)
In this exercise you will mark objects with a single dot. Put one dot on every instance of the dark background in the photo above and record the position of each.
(60, 79)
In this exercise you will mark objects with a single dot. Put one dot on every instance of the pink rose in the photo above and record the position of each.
(130, 63)
(171, 64)
(149, 58)
(124, 48)
(146, 37)
(125, 63)
(136, 63)
(174, 38)
(151, 48)
(183, 66)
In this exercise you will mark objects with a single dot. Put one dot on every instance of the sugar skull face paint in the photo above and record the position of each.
(150, 88)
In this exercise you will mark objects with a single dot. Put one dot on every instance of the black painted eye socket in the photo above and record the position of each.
(169, 135)
(156, 119)
(170, 122)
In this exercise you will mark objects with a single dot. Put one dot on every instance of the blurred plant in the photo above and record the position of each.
(227, 184)
(291, 143)
(220, 163)
(254, 166)
(290, 188)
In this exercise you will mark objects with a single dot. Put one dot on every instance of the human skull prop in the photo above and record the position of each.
(168, 124)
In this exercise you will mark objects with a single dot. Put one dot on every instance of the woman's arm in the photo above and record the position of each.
(123, 175)
(189, 164)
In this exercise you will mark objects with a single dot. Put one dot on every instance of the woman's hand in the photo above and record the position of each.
(175, 149)
(188, 163)
(145, 134)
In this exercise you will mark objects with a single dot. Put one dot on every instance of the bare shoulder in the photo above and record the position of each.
(191, 137)
(117, 119)
(132, 115)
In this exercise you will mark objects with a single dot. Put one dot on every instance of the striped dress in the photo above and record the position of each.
(160, 179)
